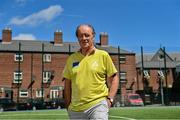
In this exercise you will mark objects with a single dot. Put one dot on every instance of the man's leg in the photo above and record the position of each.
(77, 115)
(99, 111)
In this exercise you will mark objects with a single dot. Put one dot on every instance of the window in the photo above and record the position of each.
(18, 76)
(23, 93)
(18, 57)
(61, 88)
(146, 73)
(47, 57)
(46, 76)
(39, 93)
(122, 76)
(54, 94)
(122, 59)
(160, 73)
(161, 57)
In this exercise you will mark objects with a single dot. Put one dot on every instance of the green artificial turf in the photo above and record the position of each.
(122, 113)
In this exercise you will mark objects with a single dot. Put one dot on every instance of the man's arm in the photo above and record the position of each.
(67, 92)
(113, 84)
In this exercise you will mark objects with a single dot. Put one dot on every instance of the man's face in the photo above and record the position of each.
(85, 37)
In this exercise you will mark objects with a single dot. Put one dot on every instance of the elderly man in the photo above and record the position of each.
(86, 73)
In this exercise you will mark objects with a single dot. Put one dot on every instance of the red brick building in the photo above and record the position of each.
(156, 74)
(33, 69)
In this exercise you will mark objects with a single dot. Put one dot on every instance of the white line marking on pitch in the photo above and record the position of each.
(126, 118)
(31, 114)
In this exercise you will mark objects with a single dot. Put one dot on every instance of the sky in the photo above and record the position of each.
(129, 23)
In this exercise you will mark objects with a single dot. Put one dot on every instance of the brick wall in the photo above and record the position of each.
(28, 65)
(32, 62)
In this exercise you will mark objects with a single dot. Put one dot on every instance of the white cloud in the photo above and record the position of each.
(23, 36)
(38, 17)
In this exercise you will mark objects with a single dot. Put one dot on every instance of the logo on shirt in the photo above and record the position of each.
(75, 64)
(95, 65)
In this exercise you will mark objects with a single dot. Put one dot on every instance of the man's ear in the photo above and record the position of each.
(93, 37)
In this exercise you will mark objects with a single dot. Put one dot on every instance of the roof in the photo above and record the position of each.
(156, 64)
(178, 68)
(160, 55)
(156, 61)
(178, 65)
(175, 56)
(148, 57)
(36, 46)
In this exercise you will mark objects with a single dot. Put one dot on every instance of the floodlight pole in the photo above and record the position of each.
(119, 75)
(19, 69)
(42, 83)
(165, 71)
(142, 70)
(161, 86)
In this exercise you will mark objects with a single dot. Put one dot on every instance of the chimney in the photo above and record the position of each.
(58, 40)
(6, 35)
(103, 39)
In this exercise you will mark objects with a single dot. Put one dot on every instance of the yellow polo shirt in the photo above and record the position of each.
(88, 78)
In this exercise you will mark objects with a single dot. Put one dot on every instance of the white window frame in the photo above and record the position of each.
(160, 73)
(18, 57)
(54, 94)
(47, 57)
(46, 76)
(123, 76)
(61, 88)
(122, 59)
(39, 93)
(146, 73)
(16, 77)
(23, 93)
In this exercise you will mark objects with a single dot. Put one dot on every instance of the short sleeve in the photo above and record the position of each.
(67, 70)
(110, 67)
